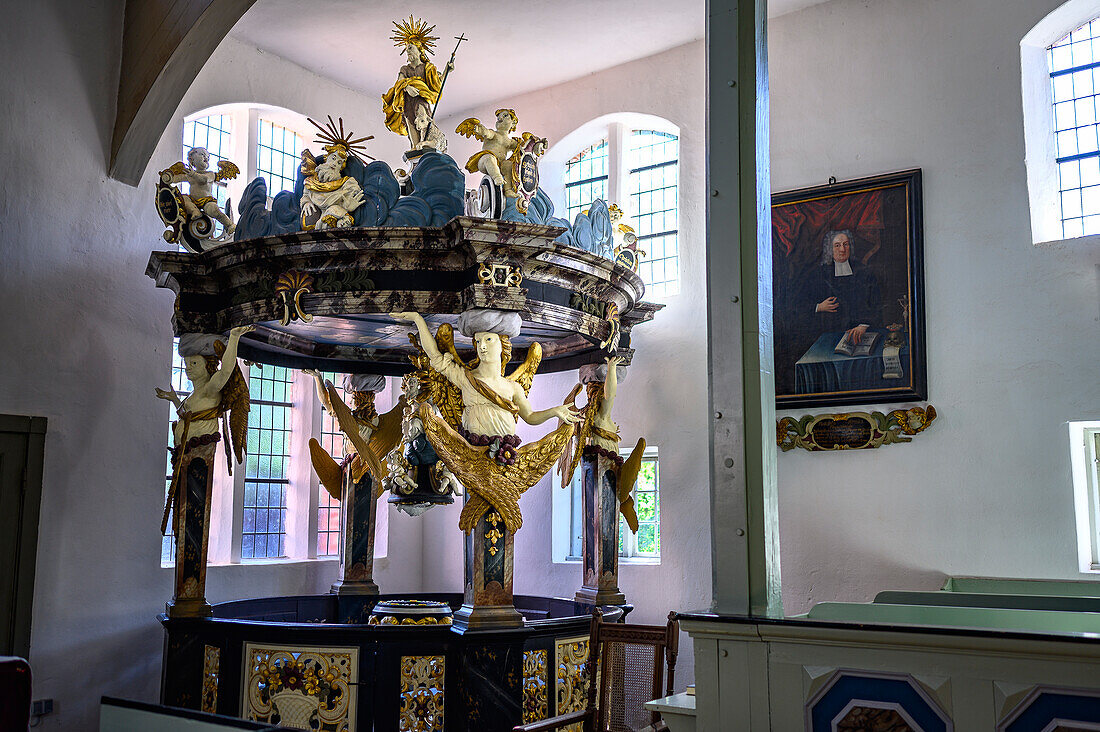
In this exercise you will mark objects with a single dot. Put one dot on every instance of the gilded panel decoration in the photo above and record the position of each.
(571, 689)
(535, 684)
(302, 687)
(212, 657)
(853, 430)
(422, 693)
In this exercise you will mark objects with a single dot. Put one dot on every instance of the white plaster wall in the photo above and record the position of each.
(860, 88)
(87, 337)
(665, 396)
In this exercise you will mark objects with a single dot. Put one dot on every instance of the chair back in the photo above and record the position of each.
(630, 662)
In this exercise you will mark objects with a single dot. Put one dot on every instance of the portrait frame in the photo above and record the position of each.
(822, 296)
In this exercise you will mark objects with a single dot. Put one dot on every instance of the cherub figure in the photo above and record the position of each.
(368, 436)
(626, 239)
(218, 389)
(418, 84)
(200, 198)
(598, 435)
(476, 438)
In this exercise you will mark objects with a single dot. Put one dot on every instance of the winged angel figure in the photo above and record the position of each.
(480, 405)
(368, 436)
(498, 153)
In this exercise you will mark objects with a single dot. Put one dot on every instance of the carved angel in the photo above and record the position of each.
(368, 436)
(476, 437)
(200, 198)
(493, 159)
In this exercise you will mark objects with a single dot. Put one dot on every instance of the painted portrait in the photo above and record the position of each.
(848, 292)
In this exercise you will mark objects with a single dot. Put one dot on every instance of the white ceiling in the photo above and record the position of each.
(513, 47)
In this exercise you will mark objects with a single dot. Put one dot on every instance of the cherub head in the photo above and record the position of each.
(507, 121)
(198, 158)
(615, 212)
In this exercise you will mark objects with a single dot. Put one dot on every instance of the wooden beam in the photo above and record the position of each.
(164, 45)
(744, 505)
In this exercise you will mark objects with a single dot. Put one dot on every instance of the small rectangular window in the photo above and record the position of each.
(654, 191)
(1073, 68)
(267, 462)
(1085, 464)
(279, 151)
(585, 179)
(328, 508)
(647, 503)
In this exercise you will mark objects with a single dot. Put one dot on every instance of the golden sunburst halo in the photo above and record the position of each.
(334, 138)
(414, 33)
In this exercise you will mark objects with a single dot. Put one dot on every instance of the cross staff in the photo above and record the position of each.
(446, 72)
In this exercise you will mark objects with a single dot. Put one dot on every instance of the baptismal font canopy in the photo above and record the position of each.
(369, 273)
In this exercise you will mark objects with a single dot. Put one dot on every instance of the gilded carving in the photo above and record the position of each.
(535, 683)
(852, 430)
(571, 689)
(301, 687)
(499, 275)
(290, 287)
(422, 693)
(211, 664)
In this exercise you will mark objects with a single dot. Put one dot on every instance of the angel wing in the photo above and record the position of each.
(627, 477)
(226, 171)
(385, 438)
(442, 393)
(524, 374)
(235, 396)
(571, 457)
(177, 169)
(471, 127)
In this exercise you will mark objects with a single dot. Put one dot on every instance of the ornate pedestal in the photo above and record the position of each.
(488, 602)
(358, 512)
(192, 527)
(600, 560)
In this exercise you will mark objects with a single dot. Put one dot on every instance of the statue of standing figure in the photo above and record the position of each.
(409, 105)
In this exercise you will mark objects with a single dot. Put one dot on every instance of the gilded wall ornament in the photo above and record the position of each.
(422, 697)
(852, 430)
(535, 685)
(290, 287)
(302, 687)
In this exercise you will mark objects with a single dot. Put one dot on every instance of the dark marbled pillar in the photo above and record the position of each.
(359, 509)
(192, 526)
(600, 560)
(489, 554)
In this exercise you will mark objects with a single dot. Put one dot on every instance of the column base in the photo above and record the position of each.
(353, 587)
(592, 596)
(470, 618)
(189, 608)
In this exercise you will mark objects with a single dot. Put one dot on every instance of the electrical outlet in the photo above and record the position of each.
(41, 707)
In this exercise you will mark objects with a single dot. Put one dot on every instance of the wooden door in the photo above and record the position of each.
(21, 452)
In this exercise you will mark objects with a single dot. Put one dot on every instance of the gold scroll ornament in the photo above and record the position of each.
(852, 430)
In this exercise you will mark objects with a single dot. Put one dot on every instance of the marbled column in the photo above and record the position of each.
(192, 527)
(600, 559)
(358, 511)
(490, 554)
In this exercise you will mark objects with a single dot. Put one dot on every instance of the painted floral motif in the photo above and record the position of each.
(534, 685)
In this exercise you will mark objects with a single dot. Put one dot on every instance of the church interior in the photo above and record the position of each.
(658, 231)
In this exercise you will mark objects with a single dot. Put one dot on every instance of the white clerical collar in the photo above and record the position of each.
(842, 269)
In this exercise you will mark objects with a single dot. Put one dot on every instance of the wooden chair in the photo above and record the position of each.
(630, 661)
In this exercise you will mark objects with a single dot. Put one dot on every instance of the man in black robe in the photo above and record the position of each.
(841, 294)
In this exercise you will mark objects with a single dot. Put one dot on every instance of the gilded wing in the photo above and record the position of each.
(327, 469)
(235, 397)
(524, 374)
(385, 438)
(177, 169)
(571, 457)
(442, 393)
(350, 427)
(471, 127)
(627, 477)
(226, 171)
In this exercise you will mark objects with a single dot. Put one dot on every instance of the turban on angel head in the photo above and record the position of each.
(484, 320)
(598, 372)
(364, 382)
(199, 344)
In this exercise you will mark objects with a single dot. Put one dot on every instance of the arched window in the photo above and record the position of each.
(1060, 66)
(632, 160)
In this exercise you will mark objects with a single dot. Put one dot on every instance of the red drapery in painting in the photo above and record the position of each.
(800, 228)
